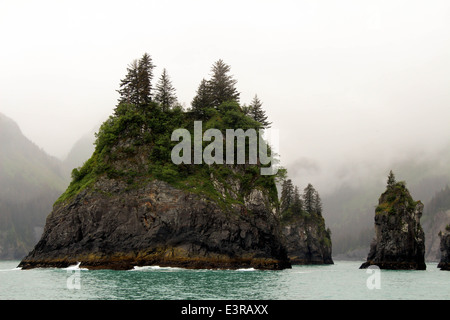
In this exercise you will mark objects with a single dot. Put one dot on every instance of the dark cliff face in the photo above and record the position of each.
(399, 241)
(307, 241)
(444, 263)
(109, 227)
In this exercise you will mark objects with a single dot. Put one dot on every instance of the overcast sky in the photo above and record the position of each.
(357, 82)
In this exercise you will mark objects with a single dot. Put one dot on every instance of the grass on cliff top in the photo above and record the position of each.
(131, 130)
(395, 196)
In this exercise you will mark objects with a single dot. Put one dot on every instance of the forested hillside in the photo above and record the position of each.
(30, 181)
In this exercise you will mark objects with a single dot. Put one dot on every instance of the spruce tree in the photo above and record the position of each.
(297, 204)
(246, 110)
(309, 198)
(202, 100)
(128, 86)
(145, 70)
(391, 180)
(287, 195)
(136, 87)
(222, 85)
(165, 92)
(317, 203)
(257, 113)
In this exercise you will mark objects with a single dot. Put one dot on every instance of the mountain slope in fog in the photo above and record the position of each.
(80, 153)
(435, 220)
(30, 182)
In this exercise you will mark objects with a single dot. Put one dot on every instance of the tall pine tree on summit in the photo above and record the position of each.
(309, 198)
(391, 180)
(136, 87)
(211, 93)
(222, 85)
(165, 92)
(202, 100)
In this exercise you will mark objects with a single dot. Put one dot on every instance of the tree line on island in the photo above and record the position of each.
(137, 92)
(144, 119)
(294, 203)
(137, 89)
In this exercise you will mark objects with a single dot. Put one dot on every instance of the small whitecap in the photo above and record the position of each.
(75, 267)
(144, 268)
(246, 269)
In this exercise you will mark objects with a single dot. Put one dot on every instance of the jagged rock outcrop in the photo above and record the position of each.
(399, 241)
(109, 226)
(444, 263)
(307, 241)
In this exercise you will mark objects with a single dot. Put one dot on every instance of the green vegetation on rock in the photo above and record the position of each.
(135, 145)
(395, 195)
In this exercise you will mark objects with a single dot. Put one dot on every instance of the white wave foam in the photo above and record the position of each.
(246, 269)
(144, 268)
(75, 267)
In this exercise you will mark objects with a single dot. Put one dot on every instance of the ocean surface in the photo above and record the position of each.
(342, 281)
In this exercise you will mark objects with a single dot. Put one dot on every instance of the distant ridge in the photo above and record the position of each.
(30, 181)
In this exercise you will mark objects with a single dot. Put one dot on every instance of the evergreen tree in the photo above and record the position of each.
(297, 204)
(222, 85)
(128, 85)
(165, 92)
(202, 100)
(391, 180)
(145, 70)
(287, 195)
(257, 113)
(309, 198)
(246, 110)
(317, 203)
(136, 87)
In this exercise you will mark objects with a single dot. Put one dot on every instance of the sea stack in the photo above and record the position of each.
(130, 206)
(307, 241)
(399, 241)
(147, 198)
(110, 226)
(444, 263)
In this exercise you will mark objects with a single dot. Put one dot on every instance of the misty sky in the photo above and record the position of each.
(346, 82)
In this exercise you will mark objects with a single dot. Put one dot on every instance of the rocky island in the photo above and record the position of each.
(131, 205)
(399, 241)
(306, 239)
(110, 225)
(444, 263)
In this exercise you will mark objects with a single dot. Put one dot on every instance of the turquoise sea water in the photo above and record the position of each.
(343, 280)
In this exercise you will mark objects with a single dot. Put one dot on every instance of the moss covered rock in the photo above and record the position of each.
(399, 241)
